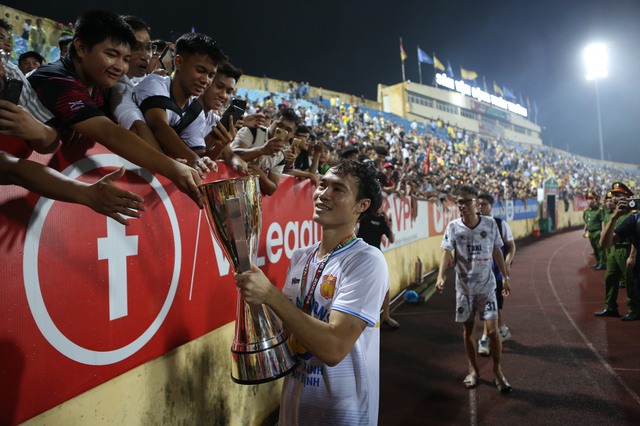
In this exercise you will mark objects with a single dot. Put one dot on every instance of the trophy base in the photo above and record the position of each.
(253, 368)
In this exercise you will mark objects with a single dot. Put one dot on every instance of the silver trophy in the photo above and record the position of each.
(234, 211)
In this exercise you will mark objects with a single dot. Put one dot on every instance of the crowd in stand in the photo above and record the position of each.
(168, 97)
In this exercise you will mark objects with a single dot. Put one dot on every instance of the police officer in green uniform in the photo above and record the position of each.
(593, 218)
(617, 270)
(610, 205)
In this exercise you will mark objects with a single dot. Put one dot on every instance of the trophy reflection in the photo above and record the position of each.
(234, 212)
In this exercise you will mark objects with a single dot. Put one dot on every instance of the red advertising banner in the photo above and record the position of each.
(85, 299)
(580, 203)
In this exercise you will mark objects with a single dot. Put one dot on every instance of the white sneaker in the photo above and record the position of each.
(506, 335)
(483, 347)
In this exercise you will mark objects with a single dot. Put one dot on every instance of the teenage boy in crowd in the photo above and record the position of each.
(29, 61)
(125, 110)
(476, 241)
(263, 149)
(170, 105)
(485, 206)
(303, 166)
(215, 135)
(330, 304)
(76, 89)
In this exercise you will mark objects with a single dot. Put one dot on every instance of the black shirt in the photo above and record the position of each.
(372, 228)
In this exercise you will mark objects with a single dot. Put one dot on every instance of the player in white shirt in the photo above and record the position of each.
(477, 244)
(485, 206)
(330, 305)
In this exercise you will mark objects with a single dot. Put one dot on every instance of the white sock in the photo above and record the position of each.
(484, 337)
(504, 329)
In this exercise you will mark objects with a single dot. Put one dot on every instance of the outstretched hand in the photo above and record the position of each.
(106, 198)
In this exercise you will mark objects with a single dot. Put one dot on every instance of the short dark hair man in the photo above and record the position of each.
(76, 89)
(476, 242)
(330, 304)
(124, 108)
(217, 139)
(175, 125)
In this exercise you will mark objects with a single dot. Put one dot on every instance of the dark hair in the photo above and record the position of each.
(64, 40)
(230, 71)
(381, 150)
(287, 114)
(6, 25)
(348, 152)
(368, 186)
(160, 44)
(31, 54)
(487, 196)
(95, 26)
(136, 23)
(196, 43)
(466, 189)
(303, 130)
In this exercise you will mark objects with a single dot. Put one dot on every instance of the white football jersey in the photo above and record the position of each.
(473, 254)
(354, 281)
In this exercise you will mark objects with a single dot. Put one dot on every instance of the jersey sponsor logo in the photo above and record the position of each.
(295, 281)
(328, 286)
(76, 105)
(474, 249)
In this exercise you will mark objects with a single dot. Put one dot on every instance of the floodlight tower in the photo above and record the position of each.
(596, 59)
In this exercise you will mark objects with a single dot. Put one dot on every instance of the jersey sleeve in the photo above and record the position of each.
(506, 232)
(447, 239)
(243, 139)
(68, 100)
(363, 285)
(497, 241)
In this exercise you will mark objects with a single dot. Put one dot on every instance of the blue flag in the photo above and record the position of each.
(449, 70)
(423, 57)
(508, 93)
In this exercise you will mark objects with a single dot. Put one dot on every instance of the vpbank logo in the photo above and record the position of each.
(99, 291)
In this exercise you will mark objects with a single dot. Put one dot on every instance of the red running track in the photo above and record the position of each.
(566, 366)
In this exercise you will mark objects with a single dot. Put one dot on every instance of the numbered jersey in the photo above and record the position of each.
(473, 254)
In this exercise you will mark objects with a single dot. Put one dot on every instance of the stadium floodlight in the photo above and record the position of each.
(596, 59)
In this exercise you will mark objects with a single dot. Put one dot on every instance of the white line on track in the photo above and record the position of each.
(473, 409)
(600, 358)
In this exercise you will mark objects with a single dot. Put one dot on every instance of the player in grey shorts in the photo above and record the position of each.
(477, 243)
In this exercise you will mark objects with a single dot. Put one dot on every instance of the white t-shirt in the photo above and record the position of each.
(354, 281)
(28, 97)
(158, 85)
(268, 163)
(124, 108)
(474, 254)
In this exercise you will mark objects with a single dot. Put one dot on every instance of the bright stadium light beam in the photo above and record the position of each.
(596, 59)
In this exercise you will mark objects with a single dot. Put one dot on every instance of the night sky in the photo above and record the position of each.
(532, 47)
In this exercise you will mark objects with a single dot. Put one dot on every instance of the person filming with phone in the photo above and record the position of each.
(624, 228)
(263, 148)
